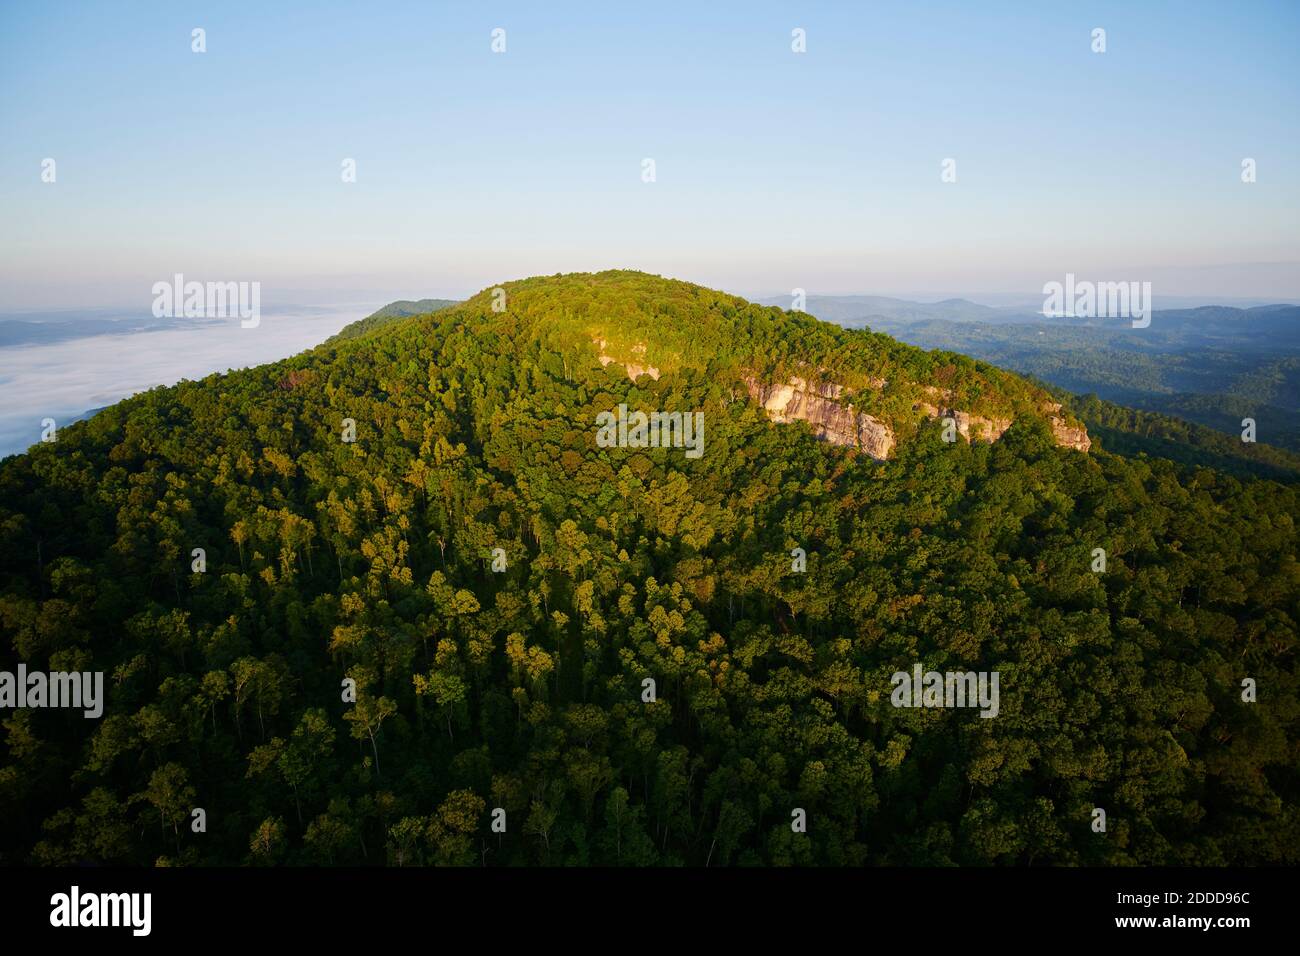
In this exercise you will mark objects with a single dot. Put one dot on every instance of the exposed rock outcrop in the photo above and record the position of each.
(1067, 435)
(818, 405)
(1070, 436)
(970, 427)
(823, 407)
(634, 371)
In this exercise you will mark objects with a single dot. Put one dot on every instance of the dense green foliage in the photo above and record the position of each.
(393, 312)
(523, 689)
(1130, 432)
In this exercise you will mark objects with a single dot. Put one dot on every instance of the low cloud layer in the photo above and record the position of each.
(66, 379)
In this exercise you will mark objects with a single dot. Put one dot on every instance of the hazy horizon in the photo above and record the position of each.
(366, 296)
(773, 169)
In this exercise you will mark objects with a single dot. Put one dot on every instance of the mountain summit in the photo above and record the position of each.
(853, 387)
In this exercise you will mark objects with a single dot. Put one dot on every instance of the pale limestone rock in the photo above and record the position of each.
(819, 405)
(796, 400)
(634, 371)
(1070, 436)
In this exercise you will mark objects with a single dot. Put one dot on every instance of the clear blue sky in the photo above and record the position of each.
(775, 170)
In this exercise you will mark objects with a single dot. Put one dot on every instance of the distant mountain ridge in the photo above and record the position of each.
(1212, 365)
(401, 309)
(853, 311)
(885, 312)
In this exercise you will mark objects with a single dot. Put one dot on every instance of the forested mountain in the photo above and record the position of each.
(502, 587)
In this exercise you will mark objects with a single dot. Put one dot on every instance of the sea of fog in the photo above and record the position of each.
(65, 365)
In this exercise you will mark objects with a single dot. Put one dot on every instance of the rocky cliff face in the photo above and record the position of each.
(1067, 435)
(634, 371)
(825, 408)
(819, 406)
(970, 427)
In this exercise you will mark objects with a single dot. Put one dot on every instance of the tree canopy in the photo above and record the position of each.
(433, 644)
